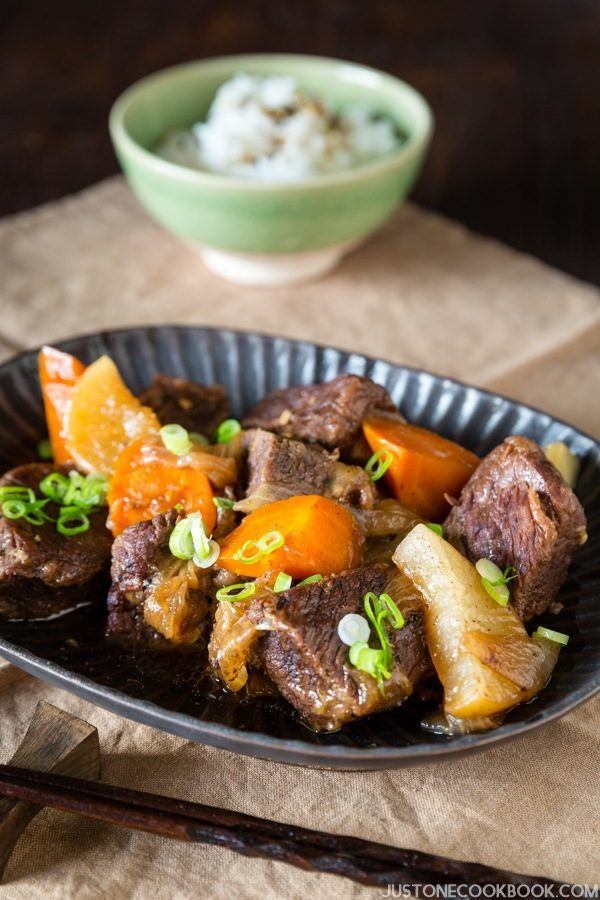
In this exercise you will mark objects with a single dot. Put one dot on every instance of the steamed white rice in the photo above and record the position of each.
(268, 129)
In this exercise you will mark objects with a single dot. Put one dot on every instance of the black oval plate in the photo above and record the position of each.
(71, 653)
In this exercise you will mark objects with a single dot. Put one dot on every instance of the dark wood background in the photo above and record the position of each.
(513, 85)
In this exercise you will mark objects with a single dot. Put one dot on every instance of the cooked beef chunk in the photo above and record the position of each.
(329, 414)
(517, 510)
(155, 598)
(279, 468)
(197, 407)
(304, 656)
(43, 572)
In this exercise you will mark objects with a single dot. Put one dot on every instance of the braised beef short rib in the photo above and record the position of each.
(279, 468)
(517, 510)
(305, 658)
(155, 598)
(196, 407)
(43, 572)
(328, 414)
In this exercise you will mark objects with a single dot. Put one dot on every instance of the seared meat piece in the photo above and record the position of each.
(517, 510)
(329, 414)
(196, 407)
(43, 572)
(279, 468)
(155, 598)
(304, 656)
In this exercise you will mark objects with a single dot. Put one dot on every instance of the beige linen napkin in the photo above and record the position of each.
(426, 292)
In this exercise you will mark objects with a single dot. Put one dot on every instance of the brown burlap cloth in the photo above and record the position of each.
(424, 292)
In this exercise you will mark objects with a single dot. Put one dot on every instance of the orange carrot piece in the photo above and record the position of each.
(149, 480)
(424, 466)
(320, 537)
(59, 372)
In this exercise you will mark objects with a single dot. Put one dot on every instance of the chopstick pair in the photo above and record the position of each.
(363, 861)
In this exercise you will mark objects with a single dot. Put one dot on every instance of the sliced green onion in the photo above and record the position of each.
(397, 619)
(312, 579)
(93, 491)
(72, 521)
(223, 502)
(490, 571)
(353, 628)
(235, 592)
(73, 488)
(271, 541)
(16, 492)
(266, 544)
(498, 592)
(205, 562)
(201, 541)
(14, 509)
(373, 610)
(495, 581)
(247, 554)
(371, 661)
(557, 636)
(35, 515)
(55, 486)
(227, 430)
(181, 543)
(378, 464)
(282, 583)
(437, 529)
(176, 439)
(44, 449)
(198, 438)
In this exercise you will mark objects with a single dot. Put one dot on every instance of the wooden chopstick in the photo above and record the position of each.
(367, 862)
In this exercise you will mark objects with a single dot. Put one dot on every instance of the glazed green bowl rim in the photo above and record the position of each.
(418, 137)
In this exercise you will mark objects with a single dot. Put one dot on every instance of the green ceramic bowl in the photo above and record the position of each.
(261, 233)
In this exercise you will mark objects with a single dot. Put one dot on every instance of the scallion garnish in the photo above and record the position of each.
(227, 430)
(495, 581)
(378, 464)
(223, 502)
(198, 438)
(14, 509)
(437, 529)
(353, 628)
(54, 486)
(312, 579)
(176, 439)
(282, 583)
(72, 520)
(235, 592)
(371, 661)
(189, 540)
(557, 636)
(16, 492)
(76, 496)
(252, 551)
(44, 449)
(181, 544)
(202, 548)
(378, 662)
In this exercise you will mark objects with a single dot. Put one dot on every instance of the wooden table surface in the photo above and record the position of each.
(513, 85)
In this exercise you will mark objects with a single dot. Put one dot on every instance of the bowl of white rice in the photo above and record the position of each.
(272, 166)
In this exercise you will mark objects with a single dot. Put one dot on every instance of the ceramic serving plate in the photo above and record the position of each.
(70, 652)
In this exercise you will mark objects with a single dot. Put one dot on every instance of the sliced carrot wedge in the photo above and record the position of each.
(424, 466)
(320, 537)
(59, 373)
(148, 480)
